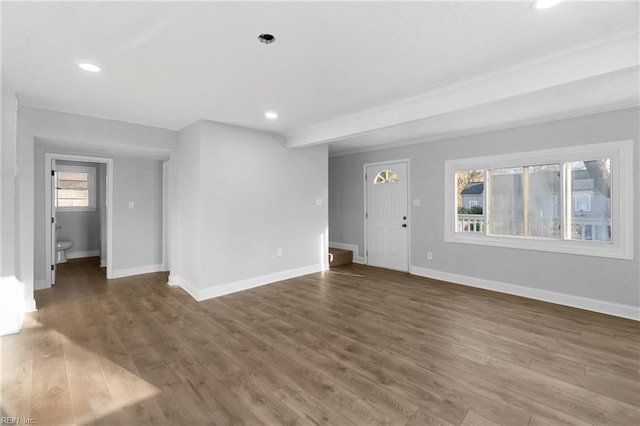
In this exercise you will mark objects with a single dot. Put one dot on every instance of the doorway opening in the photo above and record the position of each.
(386, 199)
(78, 210)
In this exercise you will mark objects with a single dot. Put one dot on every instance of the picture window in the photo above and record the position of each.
(574, 200)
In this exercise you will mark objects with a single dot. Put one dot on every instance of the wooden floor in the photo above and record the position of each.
(355, 345)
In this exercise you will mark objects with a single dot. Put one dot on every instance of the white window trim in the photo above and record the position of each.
(621, 154)
(91, 171)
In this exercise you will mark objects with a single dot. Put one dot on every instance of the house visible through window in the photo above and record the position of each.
(75, 190)
(581, 202)
(553, 200)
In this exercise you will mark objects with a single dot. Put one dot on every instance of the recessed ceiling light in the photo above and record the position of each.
(266, 38)
(545, 4)
(89, 67)
(271, 115)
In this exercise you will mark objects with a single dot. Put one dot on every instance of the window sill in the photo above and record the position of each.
(582, 248)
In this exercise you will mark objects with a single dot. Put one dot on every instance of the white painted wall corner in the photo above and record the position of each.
(30, 306)
(177, 281)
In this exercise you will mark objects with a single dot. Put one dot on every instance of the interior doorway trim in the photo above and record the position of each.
(48, 191)
(365, 205)
(166, 214)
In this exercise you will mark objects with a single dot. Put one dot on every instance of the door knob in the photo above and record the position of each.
(404, 225)
(404, 218)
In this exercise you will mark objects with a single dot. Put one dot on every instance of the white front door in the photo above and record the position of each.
(387, 215)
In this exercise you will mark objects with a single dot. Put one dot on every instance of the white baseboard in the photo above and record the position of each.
(82, 253)
(30, 305)
(190, 288)
(346, 246)
(128, 272)
(233, 287)
(103, 262)
(609, 308)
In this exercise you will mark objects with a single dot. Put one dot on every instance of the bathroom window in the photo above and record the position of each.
(75, 188)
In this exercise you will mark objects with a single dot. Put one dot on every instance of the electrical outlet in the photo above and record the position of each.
(279, 252)
(429, 255)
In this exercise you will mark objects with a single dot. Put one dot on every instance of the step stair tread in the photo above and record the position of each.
(339, 256)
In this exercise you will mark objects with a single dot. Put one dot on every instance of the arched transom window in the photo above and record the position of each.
(386, 176)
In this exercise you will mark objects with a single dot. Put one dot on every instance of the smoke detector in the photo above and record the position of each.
(266, 38)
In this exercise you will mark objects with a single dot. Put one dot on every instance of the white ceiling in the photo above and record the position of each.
(356, 74)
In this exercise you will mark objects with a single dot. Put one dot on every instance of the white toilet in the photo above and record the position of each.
(61, 246)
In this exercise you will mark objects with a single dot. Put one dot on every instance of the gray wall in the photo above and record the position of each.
(83, 228)
(260, 196)
(137, 232)
(190, 181)
(248, 196)
(611, 280)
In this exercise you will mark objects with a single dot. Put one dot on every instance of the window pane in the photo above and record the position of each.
(470, 201)
(526, 201)
(506, 217)
(73, 184)
(73, 189)
(71, 176)
(72, 194)
(543, 203)
(590, 210)
(385, 176)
